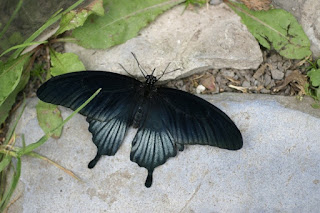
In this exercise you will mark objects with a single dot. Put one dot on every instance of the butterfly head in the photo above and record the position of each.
(151, 80)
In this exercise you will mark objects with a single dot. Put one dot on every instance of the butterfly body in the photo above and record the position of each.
(167, 119)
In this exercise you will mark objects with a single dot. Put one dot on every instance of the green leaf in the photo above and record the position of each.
(276, 29)
(315, 105)
(64, 63)
(76, 18)
(314, 75)
(317, 93)
(122, 22)
(8, 103)
(10, 74)
(49, 117)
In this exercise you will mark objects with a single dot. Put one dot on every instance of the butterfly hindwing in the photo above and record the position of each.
(107, 136)
(153, 143)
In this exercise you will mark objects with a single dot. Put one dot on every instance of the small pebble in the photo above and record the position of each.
(287, 91)
(200, 89)
(274, 58)
(277, 74)
(264, 91)
(280, 66)
(179, 83)
(228, 73)
(218, 79)
(243, 72)
(245, 84)
(247, 77)
(184, 88)
(272, 83)
(287, 64)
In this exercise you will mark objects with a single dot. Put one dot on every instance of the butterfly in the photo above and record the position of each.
(167, 119)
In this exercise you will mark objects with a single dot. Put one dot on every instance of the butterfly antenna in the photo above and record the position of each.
(126, 70)
(153, 71)
(164, 71)
(140, 67)
(173, 70)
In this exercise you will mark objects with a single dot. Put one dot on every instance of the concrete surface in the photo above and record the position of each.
(212, 37)
(278, 168)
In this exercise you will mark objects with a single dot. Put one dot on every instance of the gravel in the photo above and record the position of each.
(271, 74)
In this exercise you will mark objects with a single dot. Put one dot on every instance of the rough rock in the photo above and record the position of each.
(310, 21)
(210, 37)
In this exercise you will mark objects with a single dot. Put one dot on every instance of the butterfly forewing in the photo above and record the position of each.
(109, 114)
(192, 120)
(73, 89)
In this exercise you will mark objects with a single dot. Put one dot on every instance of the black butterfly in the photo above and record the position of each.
(167, 119)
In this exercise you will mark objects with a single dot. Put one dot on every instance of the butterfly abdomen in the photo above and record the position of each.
(137, 117)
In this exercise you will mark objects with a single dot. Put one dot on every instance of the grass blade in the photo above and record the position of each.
(36, 155)
(42, 140)
(11, 18)
(13, 128)
(5, 162)
(8, 193)
(53, 19)
(22, 46)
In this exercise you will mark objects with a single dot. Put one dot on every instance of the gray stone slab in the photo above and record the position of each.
(278, 168)
(211, 37)
(310, 21)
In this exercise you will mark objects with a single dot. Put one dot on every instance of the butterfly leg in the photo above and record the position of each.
(149, 179)
(94, 161)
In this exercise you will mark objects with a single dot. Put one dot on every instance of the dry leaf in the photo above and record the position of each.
(242, 89)
(296, 80)
(246, 89)
(260, 71)
(209, 83)
(257, 4)
(236, 82)
(300, 63)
